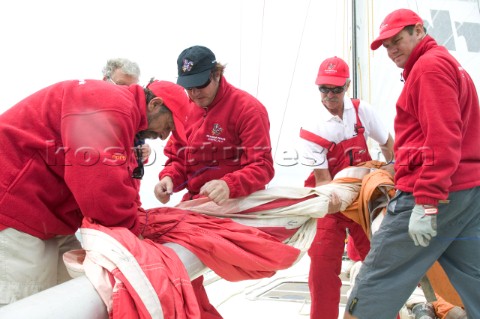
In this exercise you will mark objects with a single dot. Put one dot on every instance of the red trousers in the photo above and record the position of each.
(207, 310)
(352, 252)
(326, 262)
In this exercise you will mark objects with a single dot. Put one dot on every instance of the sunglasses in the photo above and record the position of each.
(334, 90)
(138, 171)
(201, 86)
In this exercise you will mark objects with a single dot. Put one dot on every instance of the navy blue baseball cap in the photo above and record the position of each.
(194, 66)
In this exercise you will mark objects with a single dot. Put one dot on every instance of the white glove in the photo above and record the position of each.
(423, 224)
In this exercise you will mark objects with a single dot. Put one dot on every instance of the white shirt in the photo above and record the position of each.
(332, 128)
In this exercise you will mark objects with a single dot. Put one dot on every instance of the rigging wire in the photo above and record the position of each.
(261, 46)
(370, 37)
(291, 79)
(241, 43)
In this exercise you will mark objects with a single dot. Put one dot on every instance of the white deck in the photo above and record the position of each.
(283, 296)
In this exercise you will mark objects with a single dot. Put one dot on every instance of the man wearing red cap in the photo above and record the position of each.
(436, 212)
(67, 154)
(335, 137)
(226, 151)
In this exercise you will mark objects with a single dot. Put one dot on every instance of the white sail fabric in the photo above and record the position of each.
(313, 203)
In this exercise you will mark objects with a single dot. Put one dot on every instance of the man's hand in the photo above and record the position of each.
(217, 190)
(423, 224)
(335, 203)
(164, 189)
(389, 168)
(146, 151)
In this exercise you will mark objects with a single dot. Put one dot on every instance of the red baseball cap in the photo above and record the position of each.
(174, 98)
(333, 71)
(394, 23)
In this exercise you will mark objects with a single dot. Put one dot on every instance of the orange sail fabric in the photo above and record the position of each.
(376, 190)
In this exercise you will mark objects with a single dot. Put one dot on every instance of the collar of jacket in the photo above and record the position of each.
(426, 44)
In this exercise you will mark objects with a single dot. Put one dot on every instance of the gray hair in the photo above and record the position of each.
(128, 67)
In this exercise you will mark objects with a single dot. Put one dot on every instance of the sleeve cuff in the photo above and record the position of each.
(425, 200)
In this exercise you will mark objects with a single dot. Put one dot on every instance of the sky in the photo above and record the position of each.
(272, 49)
(263, 43)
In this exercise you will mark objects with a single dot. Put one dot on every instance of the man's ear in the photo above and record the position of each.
(155, 104)
(216, 76)
(419, 30)
(348, 85)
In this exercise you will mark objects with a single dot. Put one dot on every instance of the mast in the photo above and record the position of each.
(354, 50)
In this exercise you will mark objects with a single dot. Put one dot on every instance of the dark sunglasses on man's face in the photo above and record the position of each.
(334, 90)
(201, 86)
(138, 171)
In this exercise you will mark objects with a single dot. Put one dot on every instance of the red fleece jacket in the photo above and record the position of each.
(437, 134)
(230, 140)
(66, 152)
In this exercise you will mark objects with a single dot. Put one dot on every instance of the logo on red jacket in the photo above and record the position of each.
(217, 129)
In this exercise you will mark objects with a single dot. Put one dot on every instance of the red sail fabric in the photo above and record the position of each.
(224, 243)
(136, 278)
(233, 251)
(128, 265)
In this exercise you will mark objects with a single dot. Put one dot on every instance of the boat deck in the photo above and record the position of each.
(283, 296)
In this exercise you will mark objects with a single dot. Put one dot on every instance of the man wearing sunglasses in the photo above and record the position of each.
(66, 154)
(226, 152)
(334, 137)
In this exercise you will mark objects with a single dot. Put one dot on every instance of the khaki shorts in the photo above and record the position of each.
(29, 265)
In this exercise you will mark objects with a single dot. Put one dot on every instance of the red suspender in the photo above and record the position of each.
(309, 136)
(359, 129)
